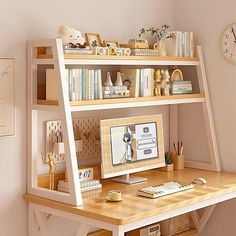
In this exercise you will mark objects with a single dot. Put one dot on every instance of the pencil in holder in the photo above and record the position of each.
(178, 162)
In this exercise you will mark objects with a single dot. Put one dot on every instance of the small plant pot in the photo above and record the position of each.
(178, 162)
(79, 145)
(58, 148)
(168, 167)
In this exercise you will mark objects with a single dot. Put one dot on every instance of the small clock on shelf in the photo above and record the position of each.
(228, 43)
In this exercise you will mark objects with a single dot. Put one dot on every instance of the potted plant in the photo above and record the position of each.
(159, 34)
(169, 163)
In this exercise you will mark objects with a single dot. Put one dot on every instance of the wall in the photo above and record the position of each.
(208, 19)
(24, 20)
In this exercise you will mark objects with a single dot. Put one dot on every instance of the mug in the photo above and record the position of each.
(114, 195)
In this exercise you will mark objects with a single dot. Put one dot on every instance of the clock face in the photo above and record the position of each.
(228, 43)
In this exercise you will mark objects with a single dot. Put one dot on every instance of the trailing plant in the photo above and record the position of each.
(157, 33)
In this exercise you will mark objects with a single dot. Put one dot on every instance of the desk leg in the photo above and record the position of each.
(118, 231)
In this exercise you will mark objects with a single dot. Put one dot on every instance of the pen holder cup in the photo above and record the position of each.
(79, 145)
(58, 148)
(178, 162)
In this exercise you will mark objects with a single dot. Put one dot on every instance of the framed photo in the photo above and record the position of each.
(93, 40)
(131, 144)
(113, 44)
(7, 97)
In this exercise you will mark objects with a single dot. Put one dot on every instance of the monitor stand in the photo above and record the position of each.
(127, 179)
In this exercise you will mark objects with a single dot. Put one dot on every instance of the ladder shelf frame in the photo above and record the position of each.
(65, 110)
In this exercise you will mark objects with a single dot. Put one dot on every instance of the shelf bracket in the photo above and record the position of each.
(40, 223)
(82, 230)
(200, 222)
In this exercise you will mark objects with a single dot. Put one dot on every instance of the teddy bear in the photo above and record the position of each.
(71, 37)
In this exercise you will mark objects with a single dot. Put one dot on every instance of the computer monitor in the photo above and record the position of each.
(130, 145)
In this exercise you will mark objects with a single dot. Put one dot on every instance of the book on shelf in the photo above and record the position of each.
(140, 82)
(144, 52)
(84, 84)
(181, 87)
(80, 51)
(180, 44)
(51, 86)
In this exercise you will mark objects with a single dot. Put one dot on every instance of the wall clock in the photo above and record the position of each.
(228, 43)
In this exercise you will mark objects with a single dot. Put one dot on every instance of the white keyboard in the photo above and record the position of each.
(164, 189)
(85, 185)
(91, 184)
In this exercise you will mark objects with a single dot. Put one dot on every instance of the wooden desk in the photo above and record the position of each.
(135, 211)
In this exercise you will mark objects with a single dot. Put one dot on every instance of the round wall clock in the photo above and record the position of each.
(228, 43)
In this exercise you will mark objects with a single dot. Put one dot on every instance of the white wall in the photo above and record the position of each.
(24, 20)
(208, 19)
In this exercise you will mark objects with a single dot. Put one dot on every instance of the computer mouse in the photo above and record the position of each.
(199, 181)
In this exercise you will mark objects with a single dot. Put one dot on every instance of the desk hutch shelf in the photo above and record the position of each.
(59, 62)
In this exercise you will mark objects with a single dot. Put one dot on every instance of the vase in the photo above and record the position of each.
(161, 48)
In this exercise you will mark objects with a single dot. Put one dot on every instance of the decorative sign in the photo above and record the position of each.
(112, 51)
(7, 97)
(86, 174)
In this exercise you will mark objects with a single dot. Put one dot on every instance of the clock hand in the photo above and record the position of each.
(233, 34)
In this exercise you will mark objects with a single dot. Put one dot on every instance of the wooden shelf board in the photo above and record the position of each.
(111, 57)
(75, 59)
(128, 102)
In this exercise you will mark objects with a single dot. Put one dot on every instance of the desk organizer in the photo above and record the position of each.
(178, 162)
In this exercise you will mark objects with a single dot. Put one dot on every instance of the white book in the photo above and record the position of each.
(192, 47)
(73, 86)
(99, 74)
(91, 85)
(180, 43)
(187, 46)
(79, 81)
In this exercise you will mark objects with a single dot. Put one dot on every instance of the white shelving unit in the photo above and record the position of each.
(65, 108)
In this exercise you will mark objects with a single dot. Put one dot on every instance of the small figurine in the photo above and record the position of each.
(108, 81)
(52, 168)
(118, 80)
(71, 37)
(127, 138)
(157, 86)
(165, 84)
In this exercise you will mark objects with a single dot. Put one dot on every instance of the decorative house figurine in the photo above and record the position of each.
(165, 84)
(157, 85)
(108, 81)
(118, 80)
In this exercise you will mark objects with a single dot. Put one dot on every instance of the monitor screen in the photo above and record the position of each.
(131, 144)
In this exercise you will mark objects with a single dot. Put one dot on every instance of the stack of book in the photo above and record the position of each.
(80, 51)
(144, 52)
(84, 84)
(180, 44)
(181, 87)
(140, 81)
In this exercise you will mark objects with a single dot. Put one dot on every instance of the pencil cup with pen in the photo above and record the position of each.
(178, 157)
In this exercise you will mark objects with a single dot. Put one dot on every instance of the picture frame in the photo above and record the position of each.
(110, 43)
(93, 40)
(115, 153)
(7, 97)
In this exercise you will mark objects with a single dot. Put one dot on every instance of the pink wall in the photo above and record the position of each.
(24, 20)
(208, 19)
